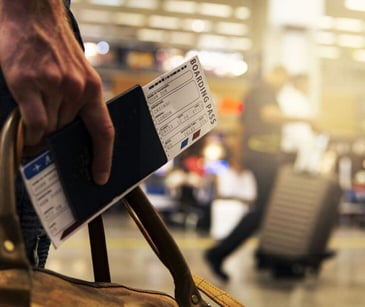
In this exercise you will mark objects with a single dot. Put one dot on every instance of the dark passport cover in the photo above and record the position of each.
(137, 153)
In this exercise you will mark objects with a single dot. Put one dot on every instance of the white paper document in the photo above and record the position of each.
(182, 110)
(181, 106)
(49, 201)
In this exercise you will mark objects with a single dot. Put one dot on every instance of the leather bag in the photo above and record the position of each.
(22, 285)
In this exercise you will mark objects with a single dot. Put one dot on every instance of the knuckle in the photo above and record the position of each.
(21, 80)
(44, 77)
(74, 84)
(45, 74)
(52, 77)
(84, 85)
(94, 82)
(38, 123)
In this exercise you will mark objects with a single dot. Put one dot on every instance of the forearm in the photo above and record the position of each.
(31, 28)
(27, 11)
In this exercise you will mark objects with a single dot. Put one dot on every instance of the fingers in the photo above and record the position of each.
(96, 118)
(86, 101)
(102, 137)
(73, 98)
(39, 99)
(42, 114)
(50, 87)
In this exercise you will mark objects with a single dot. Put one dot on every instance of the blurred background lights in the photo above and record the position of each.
(356, 5)
(359, 55)
(90, 49)
(102, 47)
(172, 61)
(93, 49)
(218, 63)
(240, 69)
(108, 2)
(198, 25)
(221, 63)
(213, 150)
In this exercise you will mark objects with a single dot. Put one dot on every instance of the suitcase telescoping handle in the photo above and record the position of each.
(12, 247)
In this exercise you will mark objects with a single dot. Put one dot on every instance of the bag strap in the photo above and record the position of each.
(157, 235)
(12, 248)
(165, 247)
(99, 252)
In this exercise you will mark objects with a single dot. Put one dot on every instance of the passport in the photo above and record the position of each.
(137, 153)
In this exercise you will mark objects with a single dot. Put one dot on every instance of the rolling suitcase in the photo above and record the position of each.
(298, 222)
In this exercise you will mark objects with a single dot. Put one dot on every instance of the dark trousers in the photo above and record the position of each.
(264, 168)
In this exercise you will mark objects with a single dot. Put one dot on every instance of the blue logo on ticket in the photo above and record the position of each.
(38, 165)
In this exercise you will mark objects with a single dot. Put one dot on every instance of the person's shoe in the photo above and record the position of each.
(216, 266)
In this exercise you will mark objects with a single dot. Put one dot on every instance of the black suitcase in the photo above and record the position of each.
(297, 224)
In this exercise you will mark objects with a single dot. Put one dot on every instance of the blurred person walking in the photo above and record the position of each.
(300, 133)
(235, 192)
(261, 154)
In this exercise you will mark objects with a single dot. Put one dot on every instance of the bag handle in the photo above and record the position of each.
(162, 243)
(12, 248)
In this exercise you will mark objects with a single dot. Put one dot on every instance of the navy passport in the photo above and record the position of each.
(137, 153)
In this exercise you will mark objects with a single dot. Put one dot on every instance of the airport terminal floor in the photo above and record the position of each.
(341, 281)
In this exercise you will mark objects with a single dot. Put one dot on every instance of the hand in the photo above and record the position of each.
(49, 77)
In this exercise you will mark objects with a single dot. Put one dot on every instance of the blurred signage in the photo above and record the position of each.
(230, 106)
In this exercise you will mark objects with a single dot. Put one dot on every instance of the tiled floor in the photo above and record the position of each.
(341, 282)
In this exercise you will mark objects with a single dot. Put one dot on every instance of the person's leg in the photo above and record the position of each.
(43, 248)
(264, 172)
(35, 239)
(243, 230)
